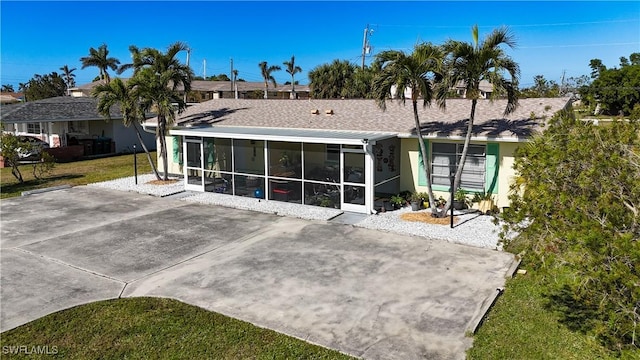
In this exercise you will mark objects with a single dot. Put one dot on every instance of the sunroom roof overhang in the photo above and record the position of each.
(316, 136)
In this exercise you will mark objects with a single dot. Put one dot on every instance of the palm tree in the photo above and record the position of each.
(419, 72)
(266, 71)
(137, 61)
(100, 59)
(292, 69)
(7, 88)
(332, 81)
(117, 92)
(470, 63)
(157, 79)
(69, 77)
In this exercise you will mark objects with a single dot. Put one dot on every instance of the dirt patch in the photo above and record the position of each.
(426, 217)
(162, 182)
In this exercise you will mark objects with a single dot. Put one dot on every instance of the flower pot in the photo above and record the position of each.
(458, 205)
(415, 205)
(485, 206)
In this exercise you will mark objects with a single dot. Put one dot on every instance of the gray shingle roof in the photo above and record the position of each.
(365, 115)
(63, 108)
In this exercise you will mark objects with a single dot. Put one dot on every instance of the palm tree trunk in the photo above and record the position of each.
(162, 125)
(426, 162)
(144, 147)
(458, 177)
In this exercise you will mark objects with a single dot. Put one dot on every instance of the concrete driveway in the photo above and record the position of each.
(367, 293)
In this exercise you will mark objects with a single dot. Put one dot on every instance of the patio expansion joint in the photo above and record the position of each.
(225, 249)
(60, 262)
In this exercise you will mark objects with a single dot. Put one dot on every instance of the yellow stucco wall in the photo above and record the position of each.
(174, 168)
(409, 170)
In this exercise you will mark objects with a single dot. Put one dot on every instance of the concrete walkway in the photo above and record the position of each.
(368, 293)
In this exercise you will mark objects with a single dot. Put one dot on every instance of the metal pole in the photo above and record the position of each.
(135, 163)
(452, 177)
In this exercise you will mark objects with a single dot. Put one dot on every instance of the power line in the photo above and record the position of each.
(512, 26)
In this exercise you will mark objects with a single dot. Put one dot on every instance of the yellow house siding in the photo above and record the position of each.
(409, 175)
(409, 165)
(507, 174)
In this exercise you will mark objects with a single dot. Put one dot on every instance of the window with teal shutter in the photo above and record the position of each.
(422, 179)
(177, 150)
(492, 167)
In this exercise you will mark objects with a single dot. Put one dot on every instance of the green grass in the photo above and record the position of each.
(519, 326)
(74, 173)
(143, 328)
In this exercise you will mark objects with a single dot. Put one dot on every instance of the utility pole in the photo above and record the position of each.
(365, 43)
(204, 69)
(232, 80)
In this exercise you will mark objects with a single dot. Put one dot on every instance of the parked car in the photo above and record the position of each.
(34, 150)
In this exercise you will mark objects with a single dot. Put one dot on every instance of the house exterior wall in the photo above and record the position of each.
(507, 173)
(410, 170)
(124, 138)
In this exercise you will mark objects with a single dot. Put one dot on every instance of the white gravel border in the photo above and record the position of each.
(129, 184)
(271, 207)
(471, 229)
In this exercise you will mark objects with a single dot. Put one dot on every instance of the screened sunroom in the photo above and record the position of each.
(338, 169)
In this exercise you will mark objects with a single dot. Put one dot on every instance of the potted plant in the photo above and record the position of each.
(485, 201)
(416, 201)
(424, 197)
(397, 201)
(460, 199)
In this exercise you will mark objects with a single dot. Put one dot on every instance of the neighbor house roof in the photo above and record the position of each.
(62, 108)
(365, 115)
(214, 86)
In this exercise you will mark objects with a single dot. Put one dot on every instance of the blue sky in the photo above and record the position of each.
(553, 37)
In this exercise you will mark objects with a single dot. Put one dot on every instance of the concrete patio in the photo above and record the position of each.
(368, 293)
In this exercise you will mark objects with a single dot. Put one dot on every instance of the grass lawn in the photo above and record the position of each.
(74, 173)
(520, 327)
(143, 328)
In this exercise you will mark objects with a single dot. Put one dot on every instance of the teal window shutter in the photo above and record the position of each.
(177, 150)
(422, 179)
(492, 165)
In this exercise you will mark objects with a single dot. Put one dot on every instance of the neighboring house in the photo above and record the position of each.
(485, 89)
(66, 120)
(347, 154)
(11, 97)
(203, 90)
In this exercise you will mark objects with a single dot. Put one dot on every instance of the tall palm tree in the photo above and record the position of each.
(7, 88)
(470, 63)
(292, 69)
(420, 73)
(69, 77)
(266, 71)
(100, 59)
(157, 79)
(117, 92)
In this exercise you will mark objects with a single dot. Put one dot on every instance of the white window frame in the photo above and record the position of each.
(473, 178)
(34, 128)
